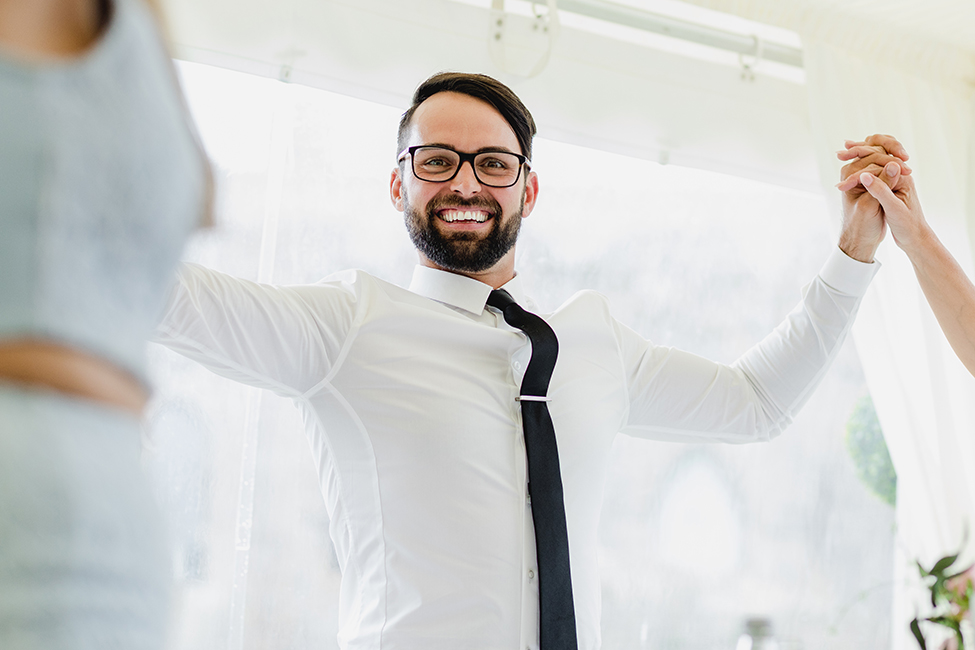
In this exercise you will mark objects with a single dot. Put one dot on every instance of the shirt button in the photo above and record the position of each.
(516, 365)
(531, 574)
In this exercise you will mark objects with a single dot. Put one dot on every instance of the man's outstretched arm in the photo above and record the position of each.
(283, 338)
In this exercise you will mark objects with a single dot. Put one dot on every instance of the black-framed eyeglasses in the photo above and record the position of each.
(440, 164)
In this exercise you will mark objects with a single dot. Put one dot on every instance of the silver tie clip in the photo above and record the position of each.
(532, 398)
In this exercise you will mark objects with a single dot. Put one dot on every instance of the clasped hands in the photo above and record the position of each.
(878, 193)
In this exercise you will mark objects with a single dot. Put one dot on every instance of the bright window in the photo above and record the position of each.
(695, 539)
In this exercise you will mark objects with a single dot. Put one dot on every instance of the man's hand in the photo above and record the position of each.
(870, 155)
(863, 217)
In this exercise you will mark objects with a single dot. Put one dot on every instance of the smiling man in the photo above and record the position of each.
(462, 442)
(472, 228)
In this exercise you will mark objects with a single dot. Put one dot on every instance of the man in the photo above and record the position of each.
(413, 399)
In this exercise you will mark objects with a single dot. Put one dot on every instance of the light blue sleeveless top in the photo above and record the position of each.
(101, 182)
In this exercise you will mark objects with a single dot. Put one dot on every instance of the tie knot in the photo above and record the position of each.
(500, 299)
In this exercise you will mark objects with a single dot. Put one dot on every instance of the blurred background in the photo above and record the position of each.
(686, 162)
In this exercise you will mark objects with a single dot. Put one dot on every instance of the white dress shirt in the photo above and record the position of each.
(408, 399)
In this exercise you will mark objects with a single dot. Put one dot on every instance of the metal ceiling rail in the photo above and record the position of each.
(743, 44)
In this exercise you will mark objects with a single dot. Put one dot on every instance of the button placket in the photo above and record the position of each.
(520, 354)
(519, 363)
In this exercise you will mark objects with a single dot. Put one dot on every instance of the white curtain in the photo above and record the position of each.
(924, 397)
(864, 75)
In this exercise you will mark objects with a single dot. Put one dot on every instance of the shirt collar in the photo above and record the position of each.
(459, 290)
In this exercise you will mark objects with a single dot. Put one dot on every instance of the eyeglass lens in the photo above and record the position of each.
(494, 168)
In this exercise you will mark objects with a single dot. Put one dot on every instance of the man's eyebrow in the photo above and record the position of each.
(481, 150)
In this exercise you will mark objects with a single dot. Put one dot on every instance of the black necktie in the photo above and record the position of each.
(557, 621)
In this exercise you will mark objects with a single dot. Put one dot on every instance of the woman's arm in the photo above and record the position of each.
(948, 290)
(41, 29)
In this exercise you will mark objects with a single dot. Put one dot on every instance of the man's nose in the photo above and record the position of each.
(465, 182)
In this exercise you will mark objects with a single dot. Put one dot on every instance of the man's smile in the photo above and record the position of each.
(456, 215)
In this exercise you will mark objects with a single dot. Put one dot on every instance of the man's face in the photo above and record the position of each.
(462, 225)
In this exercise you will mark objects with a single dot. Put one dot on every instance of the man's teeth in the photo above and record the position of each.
(458, 215)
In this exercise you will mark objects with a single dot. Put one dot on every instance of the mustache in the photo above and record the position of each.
(444, 202)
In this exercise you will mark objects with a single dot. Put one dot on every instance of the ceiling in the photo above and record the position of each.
(610, 90)
(917, 24)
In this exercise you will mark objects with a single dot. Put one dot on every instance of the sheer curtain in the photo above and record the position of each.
(866, 75)
(924, 397)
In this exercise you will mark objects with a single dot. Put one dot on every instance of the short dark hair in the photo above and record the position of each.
(479, 86)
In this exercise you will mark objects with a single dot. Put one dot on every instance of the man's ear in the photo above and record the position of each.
(396, 189)
(531, 194)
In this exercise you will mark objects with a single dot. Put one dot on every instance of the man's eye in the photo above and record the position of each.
(436, 162)
(493, 163)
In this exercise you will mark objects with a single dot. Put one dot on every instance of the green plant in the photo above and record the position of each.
(866, 446)
(951, 597)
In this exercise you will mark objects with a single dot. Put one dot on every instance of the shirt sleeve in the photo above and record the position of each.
(283, 338)
(675, 395)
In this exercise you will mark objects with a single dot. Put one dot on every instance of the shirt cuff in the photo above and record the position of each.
(847, 275)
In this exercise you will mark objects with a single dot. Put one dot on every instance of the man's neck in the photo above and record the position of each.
(496, 276)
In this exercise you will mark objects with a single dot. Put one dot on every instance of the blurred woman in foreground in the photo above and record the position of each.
(101, 181)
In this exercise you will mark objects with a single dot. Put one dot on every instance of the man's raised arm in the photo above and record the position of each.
(679, 396)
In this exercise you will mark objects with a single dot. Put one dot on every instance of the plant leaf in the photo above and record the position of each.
(944, 563)
(916, 630)
(947, 621)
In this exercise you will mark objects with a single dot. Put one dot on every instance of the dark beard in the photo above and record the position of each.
(463, 252)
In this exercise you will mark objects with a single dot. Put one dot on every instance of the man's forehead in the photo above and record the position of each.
(462, 120)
